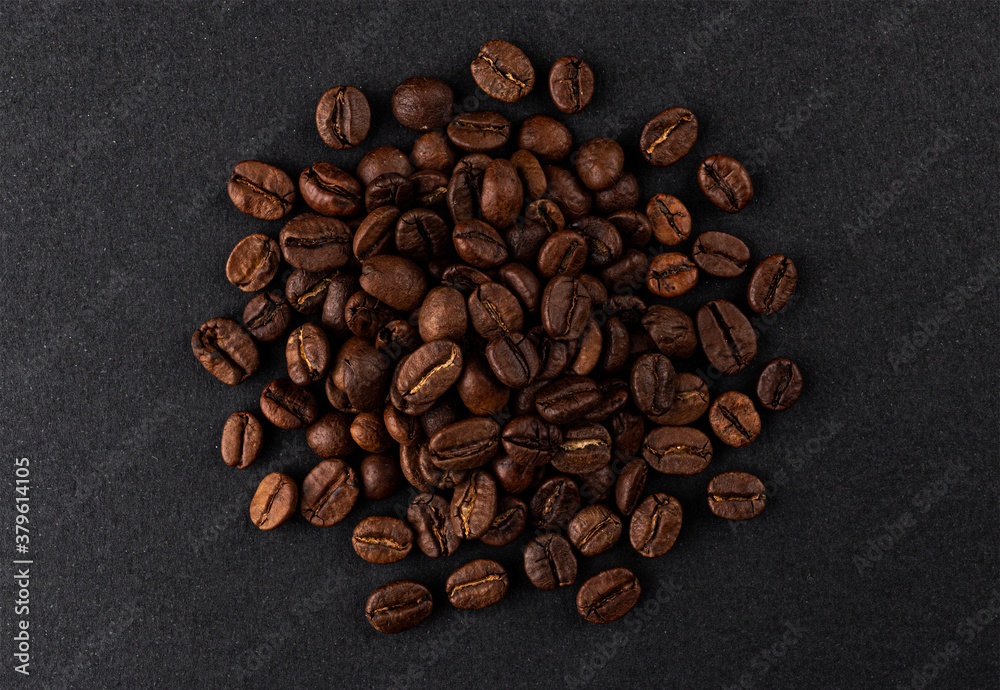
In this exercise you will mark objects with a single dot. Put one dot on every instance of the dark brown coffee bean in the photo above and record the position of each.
(554, 356)
(362, 373)
(409, 465)
(365, 316)
(494, 311)
(422, 235)
(596, 289)
(736, 496)
(380, 539)
(477, 585)
(563, 253)
(433, 151)
(307, 354)
(315, 243)
(474, 505)
(425, 375)
(608, 596)
(677, 450)
(623, 195)
(671, 275)
(339, 290)
(734, 419)
(547, 213)
(253, 262)
(225, 350)
(586, 447)
(465, 187)
(479, 132)
(571, 84)
(445, 411)
(598, 486)
(481, 391)
(531, 441)
(274, 501)
(719, 254)
(376, 233)
(554, 503)
(522, 401)
(655, 525)
(343, 117)
(567, 399)
(477, 243)
(382, 160)
(545, 137)
(669, 219)
(443, 315)
(565, 308)
(523, 284)
(513, 478)
(430, 189)
(389, 189)
(604, 244)
(772, 284)
(428, 515)
(599, 163)
(626, 274)
(404, 429)
(513, 359)
(287, 405)
(725, 182)
(398, 282)
(690, 401)
(330, 191)
(726, 336)
(628, 428)
(652, 384)
(614, 346)
(369, 432)
(631, 482)
(588, 350)
(629, 308)
(565, 189)
(329, 492)
(549, 561)
(267, 316)
(398, 606)
(669, 136)
(509, 524)
(502, 196)
(330, 436)
(524, 241)
(634, 228)
(671, 329)
(261, 190)
(503, 71)
(779, 385)
(615, 394)
(594, 530)
(306, 291)
(423, 103)
(465, 444)
(530, 173)
(380, 476)
(242, 437)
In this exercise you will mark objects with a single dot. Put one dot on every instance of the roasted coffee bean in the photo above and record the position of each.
(362, 373)
(253, 262)
(530, 173)
(423, 103)
(671, 275)
(626, 274)
(725, 182)
(548, 213)
(404, 429)
(503, 71)
(545, 137)
(422, 235)
(588, 350)
(433, 151)
(274, 501)
(677, 450)
(398, 606)
(494, 311)
(652, 384)
(669, 219)
(628, 428)
(369, 432)
(474, 505)
(614, 346)
(481, 391)
(564, 252)
(549, 561)
(306, 291)
(554, 355)
(571, 84)
(465, 444)
(380, 539)
(425, 375)
(599, 163)
(614, 395)
(554, 503)
(641, 343)
(513, 477)
(267, 316)
(596, 289)
(430, 189)
(772, 284)
(719, 254)
(242, 437)
(398, 282)
(443, 315)
(380, 475)
(604, 244)
(736, 496)
(376, 233)
(631, 482)
(586, 447)
(621, 196)
(479, 132)
(428, 515)
(465, 187)
(565, 189)
(307, 354)
(396, 339)
(343, 117)
(225, 350)
(315, 243)
(608, 596)
(671, 329)
(567, 399)
(523, 284)
(669, 136)
(779, 385)
(382, 160)
(330, 436)
(726, 336)
(261, 190)
(655, 525)
(594, 530)
(734, 419)
(409, 465)
(634, 228)
(389, 189)
(597, 486)
(444, 412)
(329, 492)
(477, 243)
(502, 196)
(522, 401)
(531, 441)
(509, 524)
(629, 308)
(330, 191)
(334, 317)
(690, 401)
(365, 316)
(476, 585)
(565, 308)
(435, 476)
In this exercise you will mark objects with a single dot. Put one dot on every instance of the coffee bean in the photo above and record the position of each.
(734, 419)
(274, 501)
(555, 502)
(398, 606)
(444, 411)
(634, 228)
(629, 308)
(396, 339)
(398, 282)
(530, 173)
(628, 428)
(549, 561)
(571, 84)
(481, 392)
(502, 196)
(608, 596)
(466, 444)
(655, 525)
(554, 356)
(614, 395)
(362, 373)
(380, 539)
(423, 103)
(329, 492)
(599, 163)
(652, 384)
(503, 71)
(772, 284)
(477, 584)
(474, 505)
(627, 274)
(598, 486)
(719, 254)
(443, 315)
(604, 244)
(465, 187)
(479, 244)
(422, 235)
(339, 290)
(669, 219)
(588, 350)
(435, 476)
(380, 476)
(631, 482)
(512, 516)
(430, 189)
(564, 252)
(479, 131)
(287, 405)
(523, 284)
(409, 465)
(253, 262)
(779, 385)
(726, 336)
(671, 275)
(433, 151)
(307, 354)
(225, 350)
(404, 429)
(565, 189)
(736, 496)
(677, 450)
(531, 441)
(382, 160)
(330, 191)
(267, 316)
(369, 432)
(586, 447)
(513, 478)
(365, 316)
(567, 399)
(669, 136)
(330, 436)
(315, 243)
(620, 197)
(565, 308)
(725, 182)
(428, 515)
(494, 311)
(375, 234)
(389, 189)
(425, 375)
(594, 530)
(545, 137)
(242, 437)
(343, 117)
(261, 190)
(614, 346)
(306, 291)
(671, 329)
(690, 401)
(547, 213)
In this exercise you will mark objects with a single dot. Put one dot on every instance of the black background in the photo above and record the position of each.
(870, 130)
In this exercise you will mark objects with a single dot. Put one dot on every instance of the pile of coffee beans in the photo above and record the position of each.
(494, 332)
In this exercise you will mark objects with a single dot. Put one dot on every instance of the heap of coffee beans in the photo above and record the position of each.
(488, 330)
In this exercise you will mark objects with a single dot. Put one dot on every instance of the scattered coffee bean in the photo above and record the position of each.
(343, 117)
(329, 492)
(380, 476)
(736, 496)
(307, 354)
(772, 284)
(725, 182)
(726, 336)
(608, 596)
(690, 401)
(261, 190)
(330, 436)
(655, 525)
(331, 191)
(242, 437)
(677, 450)
(315, 243)
(671, 275)
(479, 132)
(571, 84)
(379, 539)
(669, 219)
(594, 530)
(669, 136)
(474, 505)
(398, 606)
(734, 419)
(719, 254)
(287, 405)
(779, 385)
(509, 523)
(549, 561)
(274, 501)
(423, 103)
(267, 316)
(631, 482)
(428, 515)
(225, 350)
(554, 503)
(477, 584)
(503, 71)
(253, 262)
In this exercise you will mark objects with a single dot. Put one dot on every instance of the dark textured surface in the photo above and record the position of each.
(870, 132)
